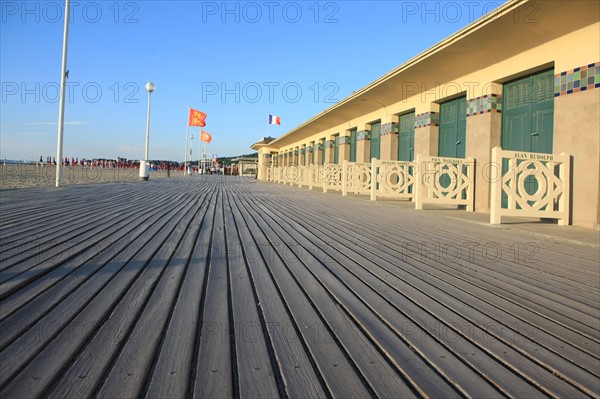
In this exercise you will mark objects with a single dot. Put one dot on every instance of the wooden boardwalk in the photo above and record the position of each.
(226, 287)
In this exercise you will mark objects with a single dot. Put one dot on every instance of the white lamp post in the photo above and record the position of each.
(144, 166)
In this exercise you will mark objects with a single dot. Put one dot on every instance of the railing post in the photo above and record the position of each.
(373, 179)
(418, 179)
(310, 176)
(496, 187)
(470, 163)
(564, 204)
(344, 178)
(324, 181)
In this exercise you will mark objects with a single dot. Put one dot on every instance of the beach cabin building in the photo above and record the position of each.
(505, 112)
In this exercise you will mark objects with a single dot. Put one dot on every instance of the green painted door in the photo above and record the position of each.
(336, 150)
(313, 152)
(528, 113)
(406, 141)
(353, 145)
(453, 128)
(528, 119)
(406, 137)
(375, 140)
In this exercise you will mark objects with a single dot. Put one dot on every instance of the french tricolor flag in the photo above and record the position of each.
(274, 120)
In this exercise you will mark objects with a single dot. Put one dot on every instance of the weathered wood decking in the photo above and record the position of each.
(226, 287)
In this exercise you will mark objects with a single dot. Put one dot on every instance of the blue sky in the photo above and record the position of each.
(235, 61)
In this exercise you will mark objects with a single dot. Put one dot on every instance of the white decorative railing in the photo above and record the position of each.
(394, 179)
(447, 181)
(332, 177)
(356, 178)
(548, 174)
(271, 175)
(283, 174)
(302, 176)
(278, 173)
(315, 176)
(295, 175)
(430, 180)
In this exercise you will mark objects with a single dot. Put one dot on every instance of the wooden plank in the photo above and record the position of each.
(295, 365)
(383, 379)
(214, 374)
(43, 222)
(256, 375)
(38, 298)
(172, 370)
(34, 362)
(129, 370)
(103, 251)
(287, 294)
(62, 249)
(383, 241)
(46, 215)
(367, 244)
(339, 374)
(451, 379)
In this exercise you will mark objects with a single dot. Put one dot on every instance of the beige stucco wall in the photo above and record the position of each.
(577, 132)
(483, 134)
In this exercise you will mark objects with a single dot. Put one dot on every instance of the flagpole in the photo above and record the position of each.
(187, 134)
(199, 140)
(268, 126)
(61, 107)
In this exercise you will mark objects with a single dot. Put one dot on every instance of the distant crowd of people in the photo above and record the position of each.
(108, 163)
(93, 163)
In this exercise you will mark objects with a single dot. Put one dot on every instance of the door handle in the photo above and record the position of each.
(458, 142)
(535, 134)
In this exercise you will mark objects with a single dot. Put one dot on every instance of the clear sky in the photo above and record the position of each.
(235, 61)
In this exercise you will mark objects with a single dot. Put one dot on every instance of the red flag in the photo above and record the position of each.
(196, 118)
(204, 136)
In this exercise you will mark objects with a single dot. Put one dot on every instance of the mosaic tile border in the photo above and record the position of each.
(388, 128)
(485, 104)
(363, 135)
(583, 78)
(427, 119)
(344, 140)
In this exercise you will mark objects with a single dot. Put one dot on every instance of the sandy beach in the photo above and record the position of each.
(31, 175)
